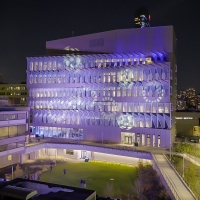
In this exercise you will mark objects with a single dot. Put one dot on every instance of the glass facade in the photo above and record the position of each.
(127, 91)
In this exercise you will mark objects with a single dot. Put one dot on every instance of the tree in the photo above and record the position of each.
(18, 173)
(138, 189)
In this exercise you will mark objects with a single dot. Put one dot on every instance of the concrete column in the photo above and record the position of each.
(21, 158)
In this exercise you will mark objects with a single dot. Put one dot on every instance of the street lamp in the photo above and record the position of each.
(170, 152)
(183, 164)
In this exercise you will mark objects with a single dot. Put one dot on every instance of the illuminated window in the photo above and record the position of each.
(113, 92)
(124, 92)
(9, 157)
(31, 66)
(13, 117)
(69, 152)
(108, 78)
(49, 65)
(104, 78)
(45, 66)
(40, 66)
(118, 92)
(36, 66)
(54, 65)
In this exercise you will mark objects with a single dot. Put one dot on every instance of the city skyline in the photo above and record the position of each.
(32, 26)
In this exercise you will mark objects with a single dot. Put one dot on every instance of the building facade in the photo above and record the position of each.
(14, 126)
(17, 94)
(125, 95)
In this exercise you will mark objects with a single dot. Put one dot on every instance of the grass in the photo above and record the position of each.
(97, 177)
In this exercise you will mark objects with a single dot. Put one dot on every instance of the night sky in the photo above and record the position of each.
(25, 26)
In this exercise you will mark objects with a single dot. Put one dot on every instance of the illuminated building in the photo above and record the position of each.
(14, 124)
(142, 18)
(188, 100)
(125, 95)
(16, 93)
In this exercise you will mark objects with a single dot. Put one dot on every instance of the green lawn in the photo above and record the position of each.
(97, 177)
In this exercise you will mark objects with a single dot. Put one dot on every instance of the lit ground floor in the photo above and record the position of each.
(142, 136)
(79, 152)
(78, 155)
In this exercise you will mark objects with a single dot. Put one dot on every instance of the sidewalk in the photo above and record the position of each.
(175, 183)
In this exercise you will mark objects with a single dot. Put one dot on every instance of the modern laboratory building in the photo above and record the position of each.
(117, 86)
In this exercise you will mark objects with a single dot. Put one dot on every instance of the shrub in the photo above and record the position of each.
(187, 148)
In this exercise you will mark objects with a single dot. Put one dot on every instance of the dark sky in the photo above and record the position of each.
(25, 26)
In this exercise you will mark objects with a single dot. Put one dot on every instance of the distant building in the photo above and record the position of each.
(188, 100)
(198, 102)
(181, 101)
(14, 125)
(16, 93)
(142, 18)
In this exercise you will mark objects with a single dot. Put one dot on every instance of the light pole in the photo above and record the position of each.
(102, 138)
(170, 152)
(55, 156)
(12, 173)
(183, 164)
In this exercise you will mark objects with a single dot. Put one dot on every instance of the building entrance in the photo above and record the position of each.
(128, 140)
(83, 154)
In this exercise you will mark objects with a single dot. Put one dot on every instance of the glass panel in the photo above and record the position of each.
(12, 131)
(4, 132)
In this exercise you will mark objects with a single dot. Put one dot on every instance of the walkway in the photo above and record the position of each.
(175, 183)
(109, 145)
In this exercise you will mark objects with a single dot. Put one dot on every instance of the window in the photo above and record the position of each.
(12, 117)
(9, 157)
(12, 146)
(4, 132)
(12, 131)
(6, 117)
(69, 152)
(3, 147)
(31, 66)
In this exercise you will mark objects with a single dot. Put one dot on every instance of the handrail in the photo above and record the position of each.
(179, 176)
(169, 183)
